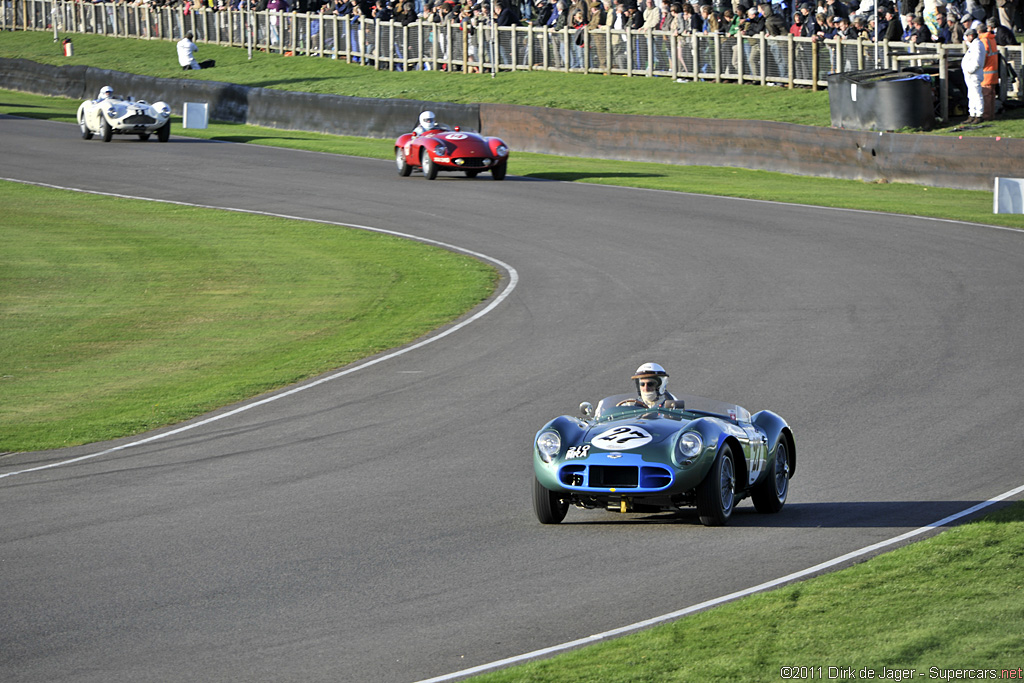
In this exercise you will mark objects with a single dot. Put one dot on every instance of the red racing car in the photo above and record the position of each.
(441, 148)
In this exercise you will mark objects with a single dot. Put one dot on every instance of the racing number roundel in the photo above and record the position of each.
(622, 438)
(455, 136)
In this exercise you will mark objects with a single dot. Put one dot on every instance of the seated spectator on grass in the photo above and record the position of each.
(186, 55)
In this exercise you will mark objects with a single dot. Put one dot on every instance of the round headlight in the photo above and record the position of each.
(690, 445)
(502, 150)
(548, 445)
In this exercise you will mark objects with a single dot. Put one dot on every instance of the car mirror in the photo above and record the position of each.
(586, 409)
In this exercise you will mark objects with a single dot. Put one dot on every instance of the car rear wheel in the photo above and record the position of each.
(163, 133)
(716, 495)
(770, 495)
(106, 132)
(429, 167)
(472, 173)
(86, 133)
(143, 136)
(549, 506)
(404, 169)
(498, 172)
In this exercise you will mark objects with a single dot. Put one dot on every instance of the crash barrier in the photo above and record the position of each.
(388, 45)
(232, 103)
(966, 164)
(932, 160)
(1008, 196)
(881, 99)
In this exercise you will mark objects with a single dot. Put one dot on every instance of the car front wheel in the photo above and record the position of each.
(716, 495)
(429, 167)
(106, 132)
(86, 132)
(770, 495)
(549, 506)
(404, 169)
(498, 172)
(163, 133)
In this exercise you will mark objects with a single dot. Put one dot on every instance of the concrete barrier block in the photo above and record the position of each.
(196, 115)
(1008, 196)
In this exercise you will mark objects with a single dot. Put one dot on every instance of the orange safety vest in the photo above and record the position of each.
(991, 73)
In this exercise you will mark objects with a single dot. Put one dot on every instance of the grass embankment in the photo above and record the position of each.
(119, 316)
(579, 92)
(952, 603)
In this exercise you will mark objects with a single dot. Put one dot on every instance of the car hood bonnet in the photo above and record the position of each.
(633, 432)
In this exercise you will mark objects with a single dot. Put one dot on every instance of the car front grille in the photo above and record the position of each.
(472, 163)
(138, 120)
(615, 476)
(603, 477)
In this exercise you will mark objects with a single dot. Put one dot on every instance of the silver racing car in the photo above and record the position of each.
(110, 115)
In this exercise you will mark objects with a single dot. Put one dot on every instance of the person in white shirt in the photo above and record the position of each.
(186, 53)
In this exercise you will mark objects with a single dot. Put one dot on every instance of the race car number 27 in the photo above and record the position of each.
(622, 438)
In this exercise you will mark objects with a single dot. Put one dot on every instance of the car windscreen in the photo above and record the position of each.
(692, 406)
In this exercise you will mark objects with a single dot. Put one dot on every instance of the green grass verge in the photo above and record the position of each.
(643, 96)
(951, 602)
(118, 316)
(962, 205)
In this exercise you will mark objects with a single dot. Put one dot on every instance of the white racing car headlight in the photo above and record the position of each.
(549, 442)
(688, 448)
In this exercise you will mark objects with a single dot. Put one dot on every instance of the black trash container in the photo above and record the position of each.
(881, 99)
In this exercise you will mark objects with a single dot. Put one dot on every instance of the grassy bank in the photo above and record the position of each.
(951, 603)
(119, 316)
(643, 96)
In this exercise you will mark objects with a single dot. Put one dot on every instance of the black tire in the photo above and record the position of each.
(428, 165)
(143, 136)
(548, 505)
(86, 133)
(716, 495)
(106, 132)
(498, 172)
(770, 495)
(404, 169)
(163, 133)
(472, 173)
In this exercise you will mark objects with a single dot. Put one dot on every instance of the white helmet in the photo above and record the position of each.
(427, 120)
(105, 92)
(649, 371)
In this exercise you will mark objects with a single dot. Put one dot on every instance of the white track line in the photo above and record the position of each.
(513, 280)
(672, 616)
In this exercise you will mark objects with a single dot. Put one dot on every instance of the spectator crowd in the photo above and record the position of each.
(911, 21)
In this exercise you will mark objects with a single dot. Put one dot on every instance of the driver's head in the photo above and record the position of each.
(651, 382)
(106, 92)
(427, 120)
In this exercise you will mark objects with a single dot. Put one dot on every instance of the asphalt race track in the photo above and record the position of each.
(378, 526)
